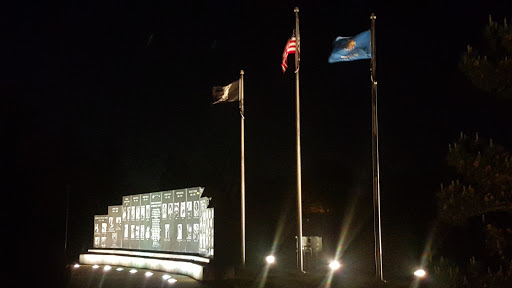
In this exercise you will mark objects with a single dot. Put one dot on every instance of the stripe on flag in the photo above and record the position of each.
(290, 48)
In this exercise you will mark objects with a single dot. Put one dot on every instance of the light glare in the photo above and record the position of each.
(119, 269)
(166, 276)
(334, 265)
(420, 273)
(133, 271)
(76, 265)
(172, 280)
(95, 266)
(148, 274)
(107, 268)
(270, 259)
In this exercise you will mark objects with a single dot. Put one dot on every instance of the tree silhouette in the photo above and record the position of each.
(485, 186)
(491, 69)
(481, 195)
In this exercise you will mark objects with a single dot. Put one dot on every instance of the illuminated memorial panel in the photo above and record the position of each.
(114, 227)
(173, 221)
(100, 231)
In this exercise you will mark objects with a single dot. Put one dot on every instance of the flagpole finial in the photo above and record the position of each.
(241, 72)
(296, 10)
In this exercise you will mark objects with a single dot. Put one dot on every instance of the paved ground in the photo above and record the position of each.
(87, 277)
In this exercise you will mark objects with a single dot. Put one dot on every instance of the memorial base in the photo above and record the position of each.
(199, 268)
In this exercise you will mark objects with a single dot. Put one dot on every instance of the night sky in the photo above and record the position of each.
(113, 98)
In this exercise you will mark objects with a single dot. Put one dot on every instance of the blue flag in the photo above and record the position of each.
(351, 48)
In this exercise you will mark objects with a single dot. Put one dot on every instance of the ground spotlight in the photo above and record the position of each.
(119, 269)
(172, 280)
(334, 265)
(166, 276)
(107, 267)
(270, 259)
(133, 271)
(95, 266)
(420, 273)
(148, 274)
(76, 265)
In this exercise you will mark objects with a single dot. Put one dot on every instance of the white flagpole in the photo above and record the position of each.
(300, 264)
(375, 159)
(242, 164)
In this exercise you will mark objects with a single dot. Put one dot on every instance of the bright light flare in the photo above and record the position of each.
(119, 269)
(172, 281)
(107, 268)
(270, 259)
(334, 265)
(420, 273)
(166, 276)
(95, 266)
(133, 271)
(148, 274)
(76, 265)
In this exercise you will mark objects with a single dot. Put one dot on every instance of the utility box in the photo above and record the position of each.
(311, 248)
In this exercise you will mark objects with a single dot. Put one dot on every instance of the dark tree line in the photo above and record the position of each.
(474, 235)
(490, 67)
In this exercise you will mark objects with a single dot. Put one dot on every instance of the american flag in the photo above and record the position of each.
(290, 48)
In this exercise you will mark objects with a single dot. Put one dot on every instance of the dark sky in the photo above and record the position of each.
(112, 98)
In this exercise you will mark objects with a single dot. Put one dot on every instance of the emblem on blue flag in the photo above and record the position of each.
(351, 48)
